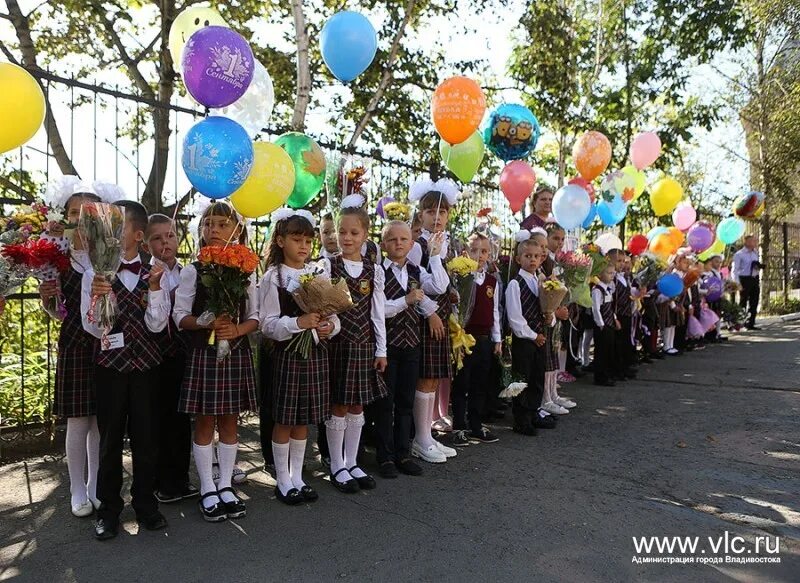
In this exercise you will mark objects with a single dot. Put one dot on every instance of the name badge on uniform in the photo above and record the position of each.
(413, 284)
(112, 341)
(364, 286)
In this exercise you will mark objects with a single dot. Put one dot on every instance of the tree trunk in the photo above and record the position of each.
(303, 71)
(28, 50)
(764, 170)
(562, 158)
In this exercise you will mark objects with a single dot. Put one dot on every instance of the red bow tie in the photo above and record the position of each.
(134, 267)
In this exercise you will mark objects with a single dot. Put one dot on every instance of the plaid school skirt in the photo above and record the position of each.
(219, 388)
(75, 392)
(550, 349)
(300, 387)
(437, 356)
(354, 380)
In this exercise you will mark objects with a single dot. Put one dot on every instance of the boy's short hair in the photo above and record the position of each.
(614, 253)
(391, 225)
(153, 220)
(477, 236)
(135, 213)
(526, 243)
(326, 217)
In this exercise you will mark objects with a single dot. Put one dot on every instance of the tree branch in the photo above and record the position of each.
(130, 63)
(303, 71)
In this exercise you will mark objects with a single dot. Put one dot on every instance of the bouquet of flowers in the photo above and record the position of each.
(599, 261)
(316, 293)
(11, 277)
(28, 222)
(551, 296)
(225, 273)
(648, 269)
(43, 258)
(733, 314)
(351, 181)
(100, 227)
(577, 269)
(731, 287)
(514, 383)
(461, 270)
(397, 211)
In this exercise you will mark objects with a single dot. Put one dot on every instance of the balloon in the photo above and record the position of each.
(633, 179)
(309, 167)
(511, 132)
(665, 194)
(587, 222)
(348, 43)
(218, 66)
(718, 248)
(663, 245)
(591, 154)
(463, 159)
(22, 106)
(253, 109)
(684, 215)
(613, 212)
(714, 286)
(692, 276)
(187, 23)
(457, 109)
(748, 205)
(730, 230)
(637, 244)
(384, 201)
(700, 236)
(645, 149)
(655, 231)
(269, 184)
(571, 206)
(670, 284)
(517, 182)
(584, 184)
(607, 242)
(676, 236)
(217, 156)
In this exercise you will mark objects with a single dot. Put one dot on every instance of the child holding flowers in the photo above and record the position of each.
(216, 302)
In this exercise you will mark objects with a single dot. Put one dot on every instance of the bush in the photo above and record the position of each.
(780, 306)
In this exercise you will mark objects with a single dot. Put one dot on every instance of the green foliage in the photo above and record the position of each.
(780, 306)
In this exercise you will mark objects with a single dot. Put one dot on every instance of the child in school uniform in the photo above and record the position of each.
(434, 201)
(214, 391)
(605, 326)
(125, 377)
(527, 325)
(680, 306)
(483, 323)
(624, 350)
(406, 305)
(300, 386)
(74, 396)
(358, 353)
(712, 268)
(174, 428)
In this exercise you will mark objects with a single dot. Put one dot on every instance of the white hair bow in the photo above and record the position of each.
(61, 189)
(352, 201)
(287, 213)
(447, 187)
(522, 235)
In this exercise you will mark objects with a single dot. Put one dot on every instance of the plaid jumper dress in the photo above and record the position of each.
(300, 387)
(437, 357)
(77, 355)
(551, 333)
(211, 387)
(354, 380)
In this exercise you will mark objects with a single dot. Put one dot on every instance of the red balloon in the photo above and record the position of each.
(517, 182)
(638, 244)
(584, 184)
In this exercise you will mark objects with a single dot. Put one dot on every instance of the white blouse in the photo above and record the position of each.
(519, 325)
(415, 255)
(187, 289)
(433, 283)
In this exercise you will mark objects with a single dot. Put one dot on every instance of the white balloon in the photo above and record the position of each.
(607, 242)
(253, 109)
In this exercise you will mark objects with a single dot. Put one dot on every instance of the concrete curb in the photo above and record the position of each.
(776, 319)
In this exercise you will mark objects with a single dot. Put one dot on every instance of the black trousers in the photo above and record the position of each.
(748, 297)
(174, 428)
(470, 385)
(604, 354)
(625, 351)
(394, 419)
(527, 360)
(126, 401)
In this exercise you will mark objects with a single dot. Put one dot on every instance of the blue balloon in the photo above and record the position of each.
(571, 206)
(656, 231)
(670, 284)
(730, 230)
(348, 43)
(587, 222)
(217, 156)
(511, 132)
(613, 212)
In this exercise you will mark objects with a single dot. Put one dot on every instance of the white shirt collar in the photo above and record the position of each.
(327, 254)
(134, 260)
(387, 263)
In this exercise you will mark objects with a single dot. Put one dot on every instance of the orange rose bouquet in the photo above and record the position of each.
(225, 273)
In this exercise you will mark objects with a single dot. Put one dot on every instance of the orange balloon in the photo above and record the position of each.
(677, 236)
(591, 154)
(663, 245)
(457, 109)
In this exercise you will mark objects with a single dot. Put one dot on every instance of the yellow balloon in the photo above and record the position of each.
(21, 106)
(186, 24)
(718, 248)
(665, 195)
(269, 184)
(635, 179)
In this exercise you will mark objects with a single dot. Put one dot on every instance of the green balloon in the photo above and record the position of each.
(309, 166)
(465, 158)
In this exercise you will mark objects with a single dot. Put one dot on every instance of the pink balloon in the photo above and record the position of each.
(517, 182)
(645, 149)
(684, 216)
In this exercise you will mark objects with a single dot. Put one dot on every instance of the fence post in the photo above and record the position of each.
(785, 229)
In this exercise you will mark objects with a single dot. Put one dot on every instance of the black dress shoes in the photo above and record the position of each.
(292, 498)
(544, 422)
(105, 529)
(155, 521)
(524, 430)
(388, 470)
(365, 482)
(409, 467)
(348, 487)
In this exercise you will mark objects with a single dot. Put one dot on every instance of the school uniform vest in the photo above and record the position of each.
(606, 306)
(141, 351)
(373, 253)
(200, 338)
(403, 330)
(72, 333)
(356, 323)
(623, 304)
(548, 266)
(481, 318)
(531, 310)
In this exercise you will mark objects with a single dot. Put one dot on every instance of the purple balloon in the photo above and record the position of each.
(700, 236)
(381, 202)
(714, 286)
(218, 66)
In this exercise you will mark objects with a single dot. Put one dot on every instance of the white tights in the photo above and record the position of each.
(82, 445)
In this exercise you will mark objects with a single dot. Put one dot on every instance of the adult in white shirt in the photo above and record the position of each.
(746, 271)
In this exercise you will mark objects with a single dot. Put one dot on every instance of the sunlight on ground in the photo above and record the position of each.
(784, 455)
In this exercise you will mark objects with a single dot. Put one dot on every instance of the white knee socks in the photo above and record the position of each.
(203, 458)
(423, 411)
(669, 337)
(281, 451)
(297, 455)
(562, 360)
(586, 342)
(352, 437)
(226, 455)
(549, 387)
(82, 443)
(335, 428)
